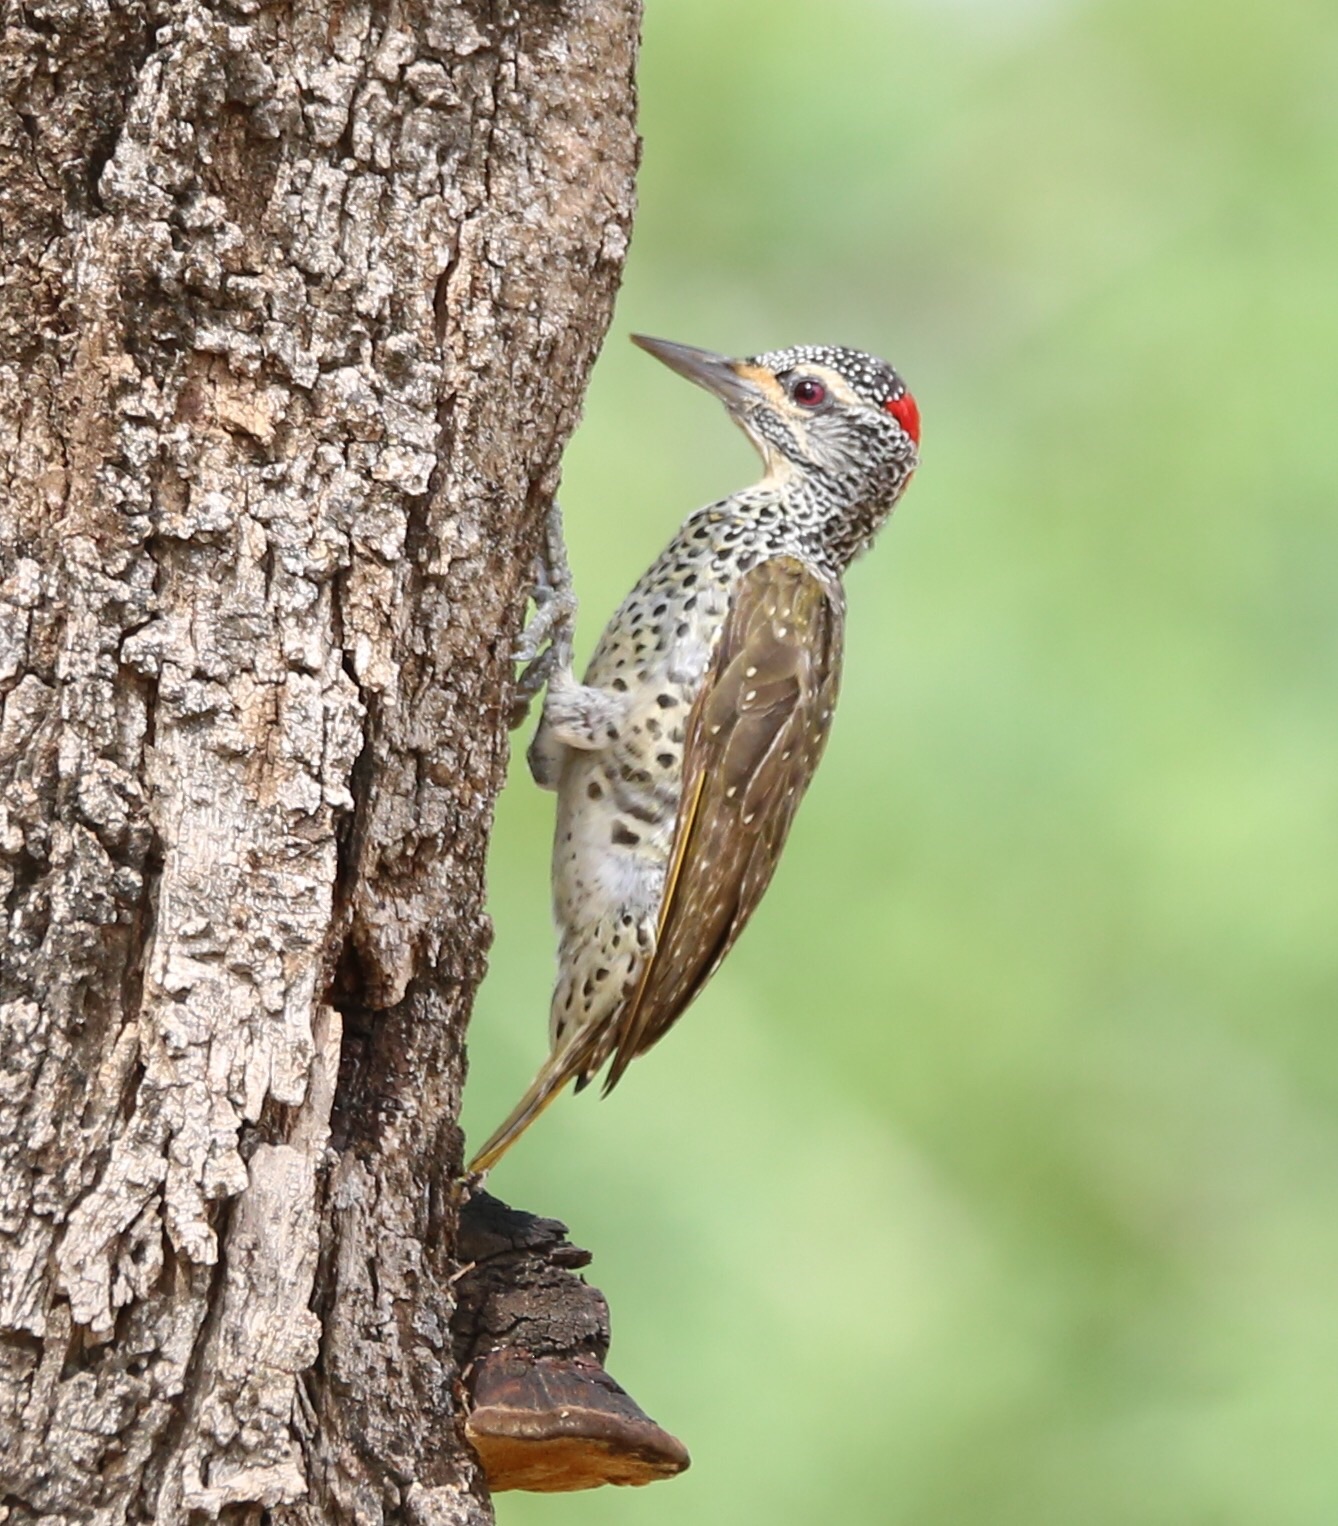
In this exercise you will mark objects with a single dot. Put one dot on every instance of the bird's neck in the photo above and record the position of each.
(833, 517)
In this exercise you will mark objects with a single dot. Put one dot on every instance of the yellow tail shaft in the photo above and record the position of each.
(543, 1089)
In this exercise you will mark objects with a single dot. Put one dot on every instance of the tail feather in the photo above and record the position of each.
(556, 1072)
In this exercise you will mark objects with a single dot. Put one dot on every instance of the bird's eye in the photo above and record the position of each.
(808, 392)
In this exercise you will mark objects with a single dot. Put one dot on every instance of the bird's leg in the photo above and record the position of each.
(575, 715)
(545, 643)
(580, 715)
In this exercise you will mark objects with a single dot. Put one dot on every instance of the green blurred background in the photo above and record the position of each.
(995, 1177)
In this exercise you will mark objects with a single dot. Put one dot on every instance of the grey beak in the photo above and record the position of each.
(716, 373)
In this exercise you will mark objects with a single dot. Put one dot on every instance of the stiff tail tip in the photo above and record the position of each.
(546, 1086)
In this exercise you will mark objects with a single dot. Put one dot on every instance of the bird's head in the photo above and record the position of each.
(813, 411)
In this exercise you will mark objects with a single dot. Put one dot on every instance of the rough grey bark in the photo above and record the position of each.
(297, 303)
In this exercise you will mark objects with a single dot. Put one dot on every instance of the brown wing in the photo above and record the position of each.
(753, 740)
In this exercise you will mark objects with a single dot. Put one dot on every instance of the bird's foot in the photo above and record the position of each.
(546, 642)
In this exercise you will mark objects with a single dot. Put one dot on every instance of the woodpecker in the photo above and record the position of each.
(680, 760)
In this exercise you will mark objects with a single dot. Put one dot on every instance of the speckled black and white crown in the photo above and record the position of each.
(873, 379)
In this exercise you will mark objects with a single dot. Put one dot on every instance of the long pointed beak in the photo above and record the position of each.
(717, 373)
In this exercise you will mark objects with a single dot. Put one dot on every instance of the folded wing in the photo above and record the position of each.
(753, 741)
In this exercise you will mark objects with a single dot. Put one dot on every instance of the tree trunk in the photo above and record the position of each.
(297, 304)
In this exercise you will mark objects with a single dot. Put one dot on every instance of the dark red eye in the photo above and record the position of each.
(809, 392)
